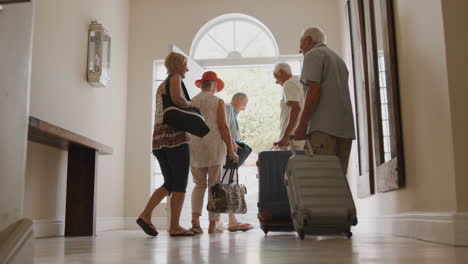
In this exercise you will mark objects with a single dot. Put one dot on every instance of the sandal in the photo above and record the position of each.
(185, 233)
(220, 225)
(147, 227)
(196, 230)
(240, 227)
(215, 230)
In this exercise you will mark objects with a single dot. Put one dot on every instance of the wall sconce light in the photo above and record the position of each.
(99, 45)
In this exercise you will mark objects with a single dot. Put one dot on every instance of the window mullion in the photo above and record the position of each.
(236, 42)
(234, 33)
(217, 43)
(252, 41)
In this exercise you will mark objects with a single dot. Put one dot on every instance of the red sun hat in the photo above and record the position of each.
(210, 76)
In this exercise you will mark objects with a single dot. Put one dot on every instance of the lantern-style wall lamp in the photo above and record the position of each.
(99, 45)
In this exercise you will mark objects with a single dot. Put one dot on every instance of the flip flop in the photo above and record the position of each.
(216, 230)
(146, 227)
(220, 225)
(196, 230)
(185, 233)
(240, 227)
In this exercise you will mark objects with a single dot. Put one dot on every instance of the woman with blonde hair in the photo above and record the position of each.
(171, 148)
(209, 153)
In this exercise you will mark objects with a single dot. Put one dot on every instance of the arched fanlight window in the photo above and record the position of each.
(233, 36)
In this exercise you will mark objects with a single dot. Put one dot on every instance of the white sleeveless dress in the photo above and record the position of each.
(210, 150)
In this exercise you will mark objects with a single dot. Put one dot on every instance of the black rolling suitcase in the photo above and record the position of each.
(274, 213)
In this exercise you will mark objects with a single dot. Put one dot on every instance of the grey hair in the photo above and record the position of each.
(315, 33)
(207, 84)
(239, 95)
(282, 66)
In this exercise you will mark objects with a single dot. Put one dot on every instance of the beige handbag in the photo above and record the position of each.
(228, 197)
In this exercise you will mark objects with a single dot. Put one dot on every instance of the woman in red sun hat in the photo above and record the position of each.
(208, 153)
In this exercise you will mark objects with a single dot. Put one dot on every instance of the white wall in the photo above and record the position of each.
(457, 55)
(46, 182)
(16, 22)
(16, 29)
(156, 24)
(60, 95)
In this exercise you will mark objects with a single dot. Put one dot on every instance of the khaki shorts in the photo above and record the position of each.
(326, 144)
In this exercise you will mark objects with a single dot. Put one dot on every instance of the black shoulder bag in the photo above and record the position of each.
(189, 120)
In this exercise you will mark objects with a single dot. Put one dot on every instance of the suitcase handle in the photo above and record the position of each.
(307, 150)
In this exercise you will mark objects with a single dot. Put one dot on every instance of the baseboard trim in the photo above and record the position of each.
(15, 242)
(109, 223)
(48, 227)
(440, 227)
(56, 227)
(159, 222)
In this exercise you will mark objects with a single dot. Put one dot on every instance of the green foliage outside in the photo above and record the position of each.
(259, 122)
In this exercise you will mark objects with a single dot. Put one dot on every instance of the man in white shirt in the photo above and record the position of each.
(291, 103)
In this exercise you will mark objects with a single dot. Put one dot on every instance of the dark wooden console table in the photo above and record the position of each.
(80, 216)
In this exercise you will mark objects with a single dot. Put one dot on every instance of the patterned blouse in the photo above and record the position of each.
(165, 136)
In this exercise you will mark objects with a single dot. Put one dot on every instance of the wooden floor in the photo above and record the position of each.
(250, 247)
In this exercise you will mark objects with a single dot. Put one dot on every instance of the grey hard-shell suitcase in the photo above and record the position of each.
(273, 206)
(319, 196)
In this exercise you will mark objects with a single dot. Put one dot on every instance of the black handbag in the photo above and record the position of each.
(228, 197)
(189, 120)
(243, 152)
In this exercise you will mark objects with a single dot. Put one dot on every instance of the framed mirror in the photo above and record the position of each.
(378, 118)
(365, 179)
(386, 119)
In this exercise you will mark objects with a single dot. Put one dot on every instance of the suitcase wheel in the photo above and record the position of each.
(265, 230)
(349, 234)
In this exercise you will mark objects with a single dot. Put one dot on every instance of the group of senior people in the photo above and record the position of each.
(315, 107)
